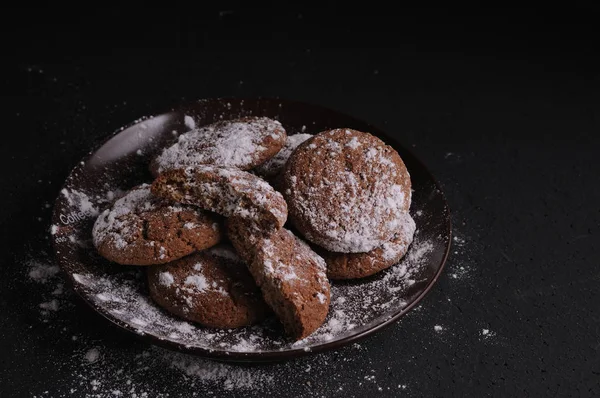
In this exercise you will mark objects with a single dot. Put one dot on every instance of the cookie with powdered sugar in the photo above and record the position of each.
(212, 288)
(241, 143)
(346, 191)
(360, 265)
(226, 191)
(141, 229)
(291, 276)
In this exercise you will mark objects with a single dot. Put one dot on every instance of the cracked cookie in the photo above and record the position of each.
(141, 229)
(229, 192)
(290, 275)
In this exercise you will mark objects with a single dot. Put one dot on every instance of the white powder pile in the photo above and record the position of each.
(41, 272)
(486, 334)
(47, 274)
(81, 201)
(92, 355)
(50, 305)
(166, 279)
(196, 281)
(189, 122)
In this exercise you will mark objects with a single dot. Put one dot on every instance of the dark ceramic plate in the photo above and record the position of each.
(119, 293)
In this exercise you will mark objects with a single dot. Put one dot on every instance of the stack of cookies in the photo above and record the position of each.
(211, 225)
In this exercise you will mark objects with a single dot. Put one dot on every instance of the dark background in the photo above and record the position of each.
(501, 104)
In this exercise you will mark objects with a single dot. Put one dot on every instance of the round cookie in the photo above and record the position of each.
(241, 143)
(290, 275)
(272, 167)
(212, 288)
(360, 265)
(346, 190)
(141, 229)
(229, 192)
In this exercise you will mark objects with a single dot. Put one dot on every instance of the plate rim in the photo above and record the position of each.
(251, 356)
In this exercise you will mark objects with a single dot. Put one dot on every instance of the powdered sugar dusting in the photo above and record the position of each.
(230, 377)
(403, 238)
(198, 282)
(229, 192)
(138, 370)
(41, 272)
(282, 272)
(348, 209)
(80, 201)
(189, 122)
(119, 226)
(92, 355)
(486, 334)
(354, 143)
(353, 308)
(235, 143)
(50, 305)
(165, 279)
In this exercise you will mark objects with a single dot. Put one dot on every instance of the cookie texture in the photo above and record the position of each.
(229, 192)
(241, 143)
(141, 229)
(360, 265)
(346, 190)
(291, 277)
(212, 288)
(274, 166)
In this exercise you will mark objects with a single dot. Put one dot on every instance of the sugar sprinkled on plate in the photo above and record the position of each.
(100, 373)
(92, 355)
(41, 272)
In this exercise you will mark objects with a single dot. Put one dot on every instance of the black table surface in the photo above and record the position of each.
(503, 111)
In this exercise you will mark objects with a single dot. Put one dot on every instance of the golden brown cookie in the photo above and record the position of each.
(346, 190)
(290, 275)
(141, 229)
(241, 143)
(229, 192)
(360, 265)
(212, 287)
